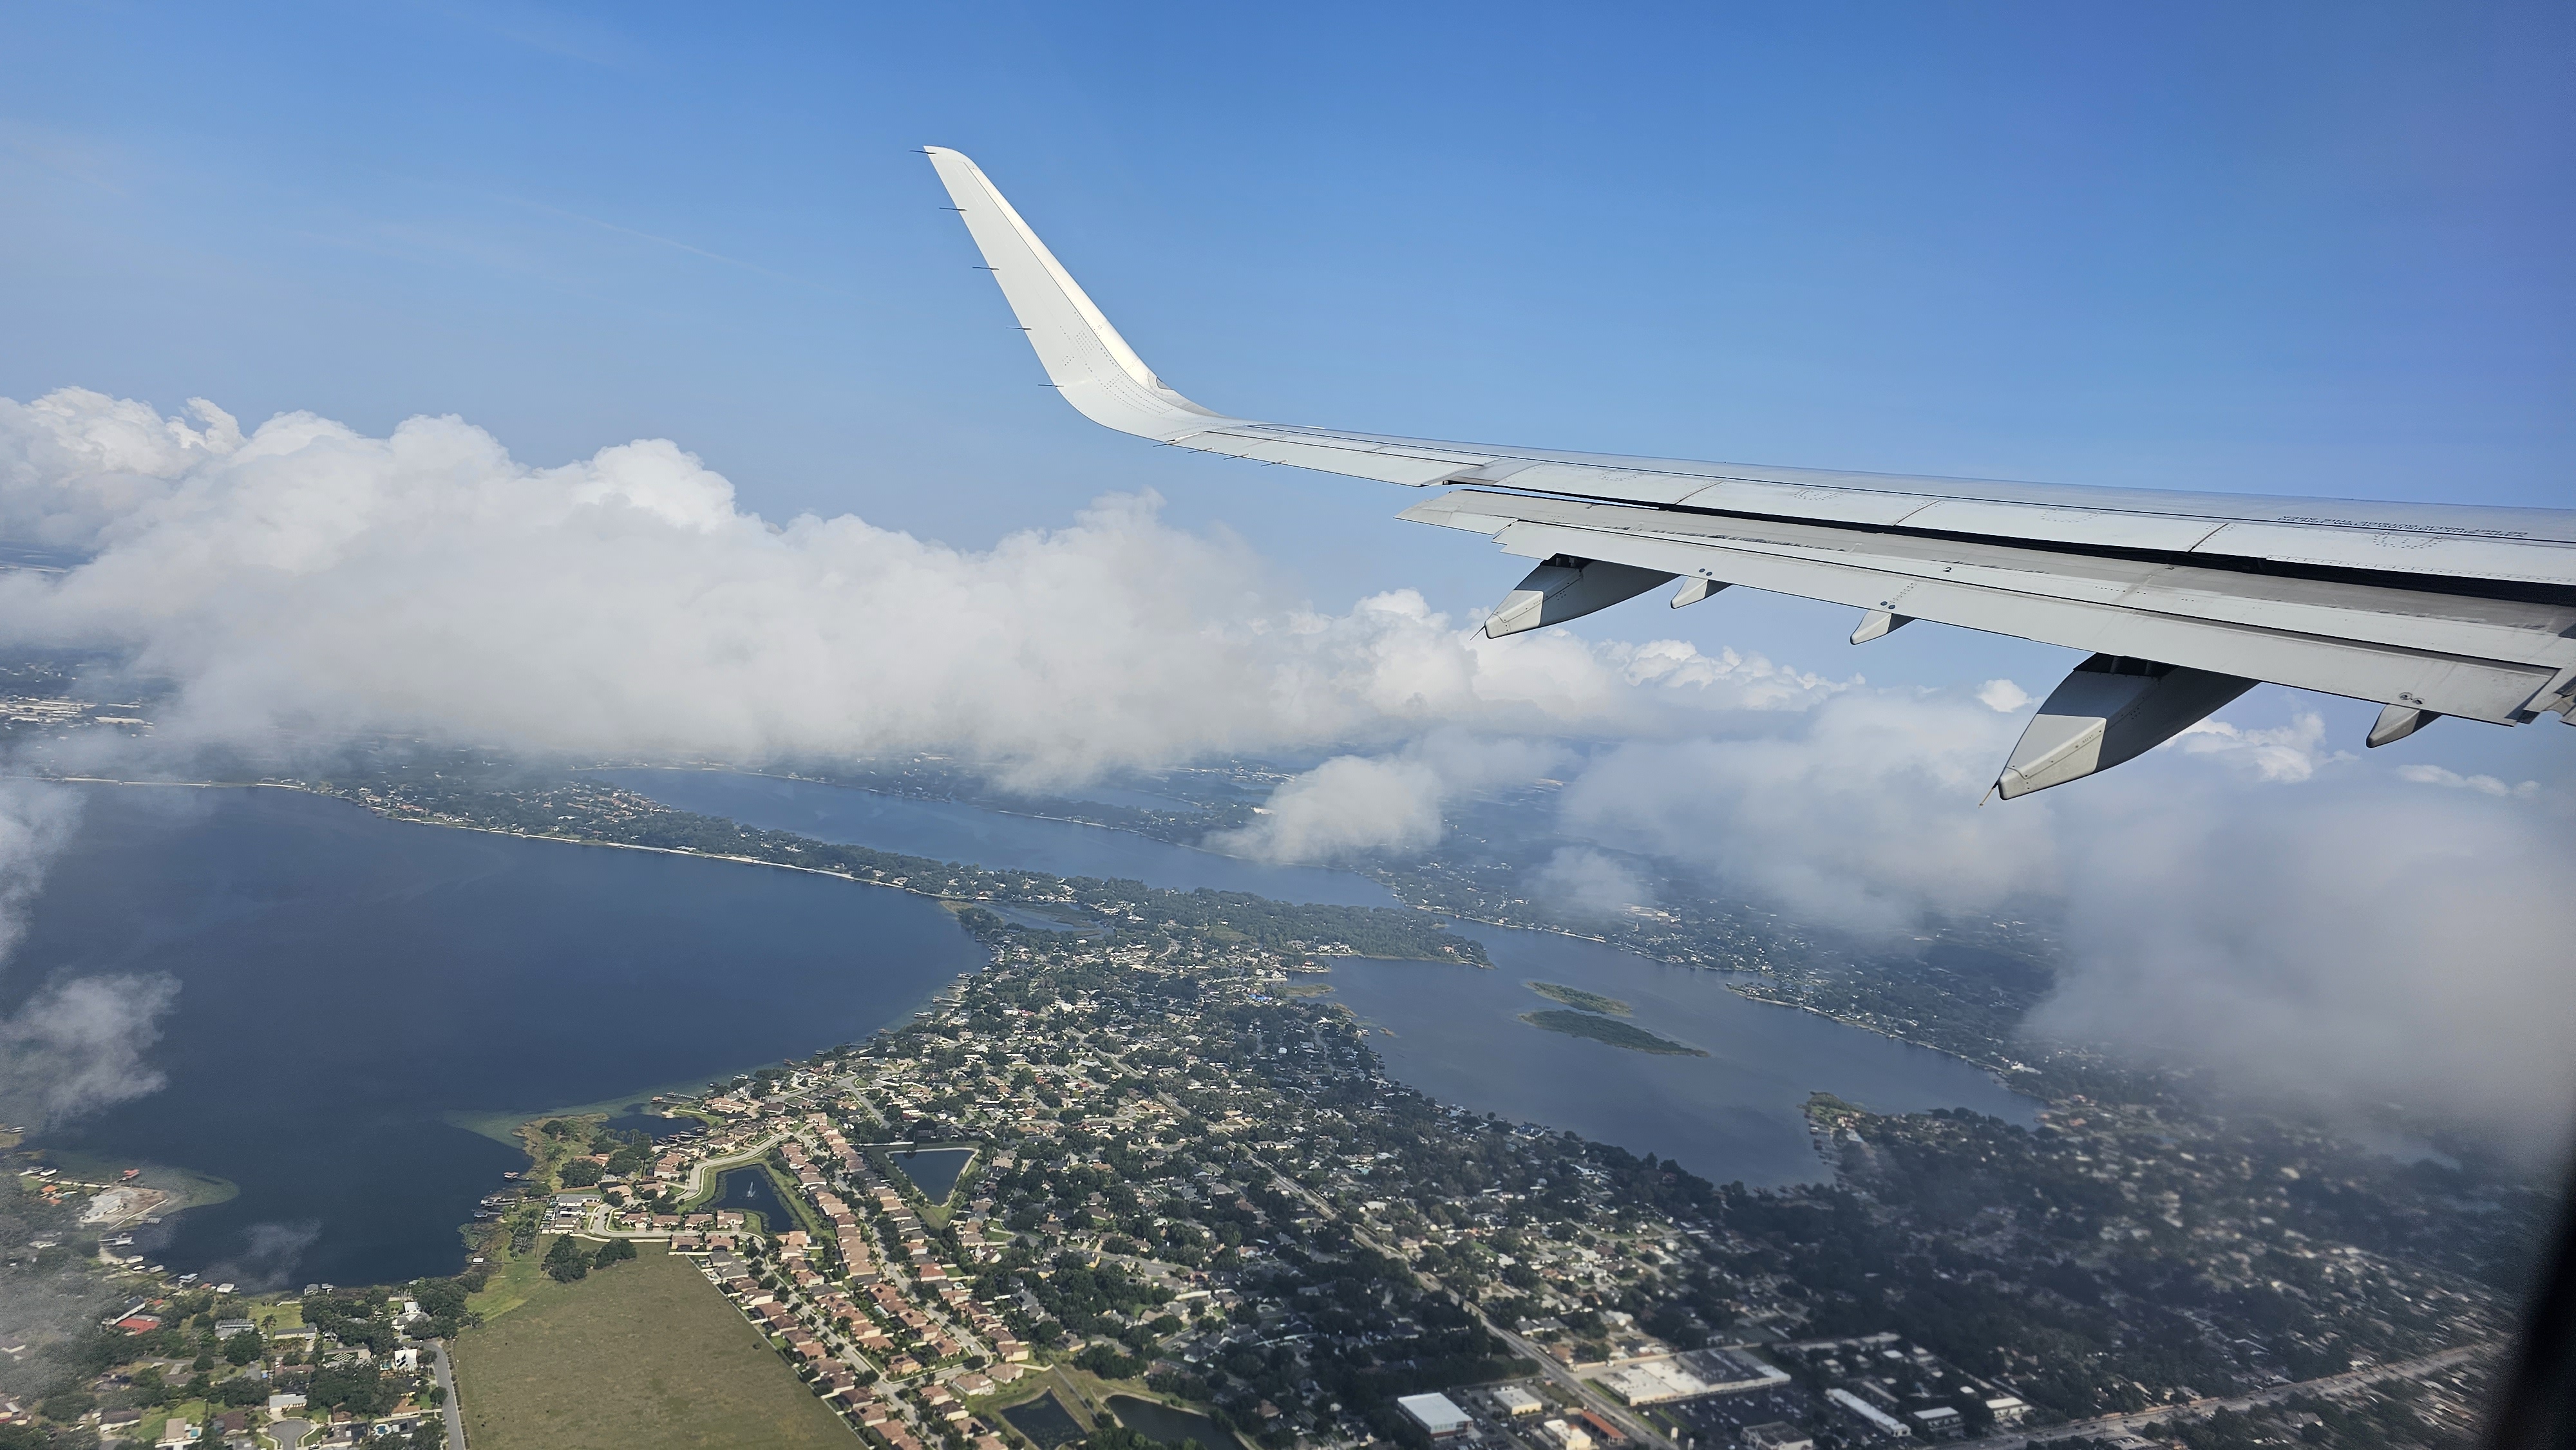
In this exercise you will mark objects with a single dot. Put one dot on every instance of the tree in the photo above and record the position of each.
(579, 1173)
(242, 1348)
(359, 1389)
(566, 1261)
(612, 1252)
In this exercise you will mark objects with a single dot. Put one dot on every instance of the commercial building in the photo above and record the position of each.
(1514, 1401)
(1438, 1416)
(1653, 1382)
(1686, 1376)
(1874, 1419)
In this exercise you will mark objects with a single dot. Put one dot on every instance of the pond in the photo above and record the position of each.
(749, 1190)
(1045, 1421)
(1157, 1421)
(933, 1170)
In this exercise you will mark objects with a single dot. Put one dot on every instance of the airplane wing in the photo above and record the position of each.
(2183, 600)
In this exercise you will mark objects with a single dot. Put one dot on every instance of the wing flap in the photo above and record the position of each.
(2097, 528)
(2471, 688)
(2486, 658)
(2452, 556)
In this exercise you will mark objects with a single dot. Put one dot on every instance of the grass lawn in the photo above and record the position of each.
(640, 1356)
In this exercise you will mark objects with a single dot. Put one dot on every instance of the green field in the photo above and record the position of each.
(1577, 997)
(640, 1356)
(1610, 1030)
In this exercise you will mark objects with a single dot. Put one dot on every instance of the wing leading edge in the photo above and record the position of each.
(2183, 599)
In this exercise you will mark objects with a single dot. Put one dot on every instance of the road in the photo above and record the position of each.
(699, 1171)
(1584, 1391)
(2197, 1409)
(448, 1409)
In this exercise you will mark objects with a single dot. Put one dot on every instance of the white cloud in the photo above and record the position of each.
(2350, 947)
(2482, 784)
(2003, 696)
(74, 462)
(1353, 805)
(313, 578)
(2282, 755)
(1346, 806)
(1861, 813)
(2361, 937)
(2346, 944)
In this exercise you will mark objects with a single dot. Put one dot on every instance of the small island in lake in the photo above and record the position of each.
(1610, 1030)
(1577, 997)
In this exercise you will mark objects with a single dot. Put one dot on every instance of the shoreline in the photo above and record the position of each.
(2001, 1075)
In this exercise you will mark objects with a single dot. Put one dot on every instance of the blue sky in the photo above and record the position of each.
(2309, 249)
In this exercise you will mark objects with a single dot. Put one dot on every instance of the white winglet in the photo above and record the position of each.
(1084, 356)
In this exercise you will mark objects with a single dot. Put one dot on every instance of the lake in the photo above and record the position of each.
(346, 982)
(1735, 1115)
(949, 831)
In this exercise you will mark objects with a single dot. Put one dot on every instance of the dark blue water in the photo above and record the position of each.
(344, 981)
(933, 1170)
(947, 831)
(1736, 1114)
(749, 1190)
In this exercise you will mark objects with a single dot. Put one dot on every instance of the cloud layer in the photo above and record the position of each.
(2250, 894)
(307, 577)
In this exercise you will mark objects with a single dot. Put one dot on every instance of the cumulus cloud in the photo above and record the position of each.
(2002, 696)
(1860, 813)
(1354, 805)
(74, 462)
(307, 576)
(2249, 892)
(2284, 754)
